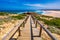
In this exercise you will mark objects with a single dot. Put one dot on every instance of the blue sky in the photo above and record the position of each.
(29, 4)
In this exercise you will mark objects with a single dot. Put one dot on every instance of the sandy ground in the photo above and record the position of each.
(52, 13)
(3, 17)
(8, 27)
(45, 35)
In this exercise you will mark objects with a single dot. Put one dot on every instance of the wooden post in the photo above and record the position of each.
(40, 31)
(36, 24)
(23, 24)
(19, 30)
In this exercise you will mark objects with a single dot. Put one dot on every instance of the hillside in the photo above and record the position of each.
(8, 21)
(51, 23)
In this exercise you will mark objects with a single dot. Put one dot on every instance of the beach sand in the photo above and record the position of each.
(52, 13)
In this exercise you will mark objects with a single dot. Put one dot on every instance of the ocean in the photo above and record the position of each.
(22, 11)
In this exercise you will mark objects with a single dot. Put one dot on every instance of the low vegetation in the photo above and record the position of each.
(55, 23)
(52, 22)
(46, 16)
(3, 13)
(20, 16)
(10, 18)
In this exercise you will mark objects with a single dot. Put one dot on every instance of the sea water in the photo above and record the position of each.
(36, 11)
(23, 11)
(39, 12)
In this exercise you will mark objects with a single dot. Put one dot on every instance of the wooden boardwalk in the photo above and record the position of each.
(26, 32)
(30, 31)
(35, 31)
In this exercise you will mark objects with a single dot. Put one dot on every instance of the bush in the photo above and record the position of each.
(20, 16)
(16, 17)
(38, 18)
(3, 13)
(46, 16)
(52, 22)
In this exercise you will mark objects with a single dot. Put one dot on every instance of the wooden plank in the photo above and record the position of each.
(35, 32)
(26, 32)
(37, 38)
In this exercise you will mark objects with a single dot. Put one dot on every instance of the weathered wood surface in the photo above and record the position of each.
(26, 32)
(36, 31)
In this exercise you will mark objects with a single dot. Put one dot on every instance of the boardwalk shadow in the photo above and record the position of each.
(13, 39)
(36, 36)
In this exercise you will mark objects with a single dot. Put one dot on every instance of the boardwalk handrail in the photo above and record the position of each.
(16, 28)
(31, 29)
(45, 29)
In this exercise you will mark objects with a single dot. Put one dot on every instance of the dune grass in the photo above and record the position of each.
(54, 24)
(3, 13)
(18, 17)
(9, 18)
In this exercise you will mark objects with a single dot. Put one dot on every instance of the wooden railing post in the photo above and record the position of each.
(46, 30)
(40, 31)
(36, 24)
(19, 30)
(24, 24)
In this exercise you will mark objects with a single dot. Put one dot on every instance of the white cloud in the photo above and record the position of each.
(37, 5)
(55, 5)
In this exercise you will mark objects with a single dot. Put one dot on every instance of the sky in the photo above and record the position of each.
(29, 4)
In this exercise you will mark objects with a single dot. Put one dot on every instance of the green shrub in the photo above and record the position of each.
(16, 17)
(52, 22)
(20, 16)
(38, 18)
(3, 13)
(46, 16)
